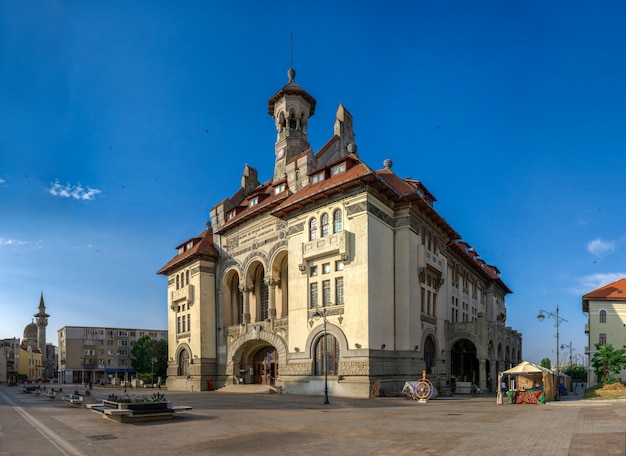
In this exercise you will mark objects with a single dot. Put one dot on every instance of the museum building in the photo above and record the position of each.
(331, 274)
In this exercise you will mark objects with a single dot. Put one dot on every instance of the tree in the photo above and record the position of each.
(150, 356)
(545, 362)
(607, 361)
(578, 372)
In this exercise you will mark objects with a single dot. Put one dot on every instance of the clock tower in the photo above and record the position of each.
(291, 108)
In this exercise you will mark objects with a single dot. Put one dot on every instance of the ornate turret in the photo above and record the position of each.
(291, 108)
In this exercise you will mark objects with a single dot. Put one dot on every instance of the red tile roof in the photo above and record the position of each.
(202, 248)
(612, 291)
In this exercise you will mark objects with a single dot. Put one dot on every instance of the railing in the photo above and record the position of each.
(333, 243)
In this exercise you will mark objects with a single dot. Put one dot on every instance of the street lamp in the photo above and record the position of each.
(571, 361)
(152, 373)
(557, 321)
(317, 315)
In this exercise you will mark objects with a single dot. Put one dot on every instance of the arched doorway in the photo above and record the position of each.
(265, 363)
(430, 355)
(464, 364)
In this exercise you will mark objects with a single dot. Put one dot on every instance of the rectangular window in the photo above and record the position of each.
(313, 295)
(326, 293)
(254, 201)
(326, 268)
(340, 168)
(189, 322)
(602, 340)
(279, 189)
(231, 214)
(184, 322)
(338, 265)
(317, 177)
(339, 291)
(178, 326)
(313, 271)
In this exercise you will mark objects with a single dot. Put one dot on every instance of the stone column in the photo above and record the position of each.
(246, 303)
(272, 284)
(482, 374)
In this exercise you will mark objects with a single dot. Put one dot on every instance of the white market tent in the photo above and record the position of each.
(527, 375)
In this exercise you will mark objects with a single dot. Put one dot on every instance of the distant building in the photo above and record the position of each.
(99, 355)
(606, 320)
(331, 269)
(9, 360)
(31, 363)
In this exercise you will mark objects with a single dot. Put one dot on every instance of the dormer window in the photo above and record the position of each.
(189, 244)
(254, 201)
(181, 249)
(231, 214)
(279, 189)
(340, 168)
(319, 177)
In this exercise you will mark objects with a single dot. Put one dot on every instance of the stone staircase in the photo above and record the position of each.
(250, 389)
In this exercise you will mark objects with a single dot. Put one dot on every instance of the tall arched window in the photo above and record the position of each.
(177, 281)
(187, 274)
(603, 316)
(183, 363)
(337, 221)
(326, 355)
(265, 297)
(312, 229)
(325, 225)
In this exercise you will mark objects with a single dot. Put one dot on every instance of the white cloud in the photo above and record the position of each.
(589, 283)
(11, 242)
(2, 181)
(598, 247)
(73, 191)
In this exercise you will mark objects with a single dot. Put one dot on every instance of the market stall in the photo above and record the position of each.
(527, 384)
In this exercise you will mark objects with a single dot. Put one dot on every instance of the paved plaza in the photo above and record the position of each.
(240, 423)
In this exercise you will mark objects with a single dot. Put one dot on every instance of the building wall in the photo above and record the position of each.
(98, 354)
(612, 329)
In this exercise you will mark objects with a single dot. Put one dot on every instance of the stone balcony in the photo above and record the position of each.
(183, 295)
(425, 258)
(328, 245)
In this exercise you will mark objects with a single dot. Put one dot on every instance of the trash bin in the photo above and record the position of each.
(510, 397)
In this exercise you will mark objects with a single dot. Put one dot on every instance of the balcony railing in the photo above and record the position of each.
(181, 296)
(427, 258)
(332, 244)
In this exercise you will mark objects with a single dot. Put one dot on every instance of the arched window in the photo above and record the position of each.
(187, 274)
(312, 229)
(325, 225)
(177, 281)
(265, 300)
(430, 355)
(337, 221)
(183, 363)
(603, 316)
(326, 355)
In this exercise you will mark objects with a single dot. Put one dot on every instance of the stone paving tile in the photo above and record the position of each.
(235, 424)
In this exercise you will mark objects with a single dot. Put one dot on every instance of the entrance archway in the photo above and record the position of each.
(464, 364)
(265, 362)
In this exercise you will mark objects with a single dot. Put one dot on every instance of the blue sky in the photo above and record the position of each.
(123, 123)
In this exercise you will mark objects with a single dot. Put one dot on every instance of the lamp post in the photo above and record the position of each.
(557, 321)
(571, 361)
(317, 315)
(152, 373)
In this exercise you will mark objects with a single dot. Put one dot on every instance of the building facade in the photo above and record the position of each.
(30, 363)
(89, 354)
(9, 360)
(606, 319)
(331, 274)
